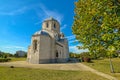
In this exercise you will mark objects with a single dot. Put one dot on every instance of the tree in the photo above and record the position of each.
(5, 55)
(25, 55)
(97, 25)
(74, 55)
(16, 55)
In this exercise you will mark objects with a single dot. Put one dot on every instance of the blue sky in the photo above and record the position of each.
(19, 19)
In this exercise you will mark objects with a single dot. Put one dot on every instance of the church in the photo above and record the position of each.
(48, 45)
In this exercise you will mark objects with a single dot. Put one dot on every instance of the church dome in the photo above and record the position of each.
(51, 19)
(38, 32)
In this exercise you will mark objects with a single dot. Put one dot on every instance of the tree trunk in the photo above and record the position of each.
(111, 65)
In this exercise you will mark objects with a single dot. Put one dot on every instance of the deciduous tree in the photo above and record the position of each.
(97, 25)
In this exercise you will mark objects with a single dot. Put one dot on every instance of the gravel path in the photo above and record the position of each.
(62, 66)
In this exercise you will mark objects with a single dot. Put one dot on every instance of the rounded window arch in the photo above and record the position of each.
(47, 25)
(54, 25)
(35, 45)
(57, 55)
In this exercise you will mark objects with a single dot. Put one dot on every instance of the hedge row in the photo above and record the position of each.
(4, 59)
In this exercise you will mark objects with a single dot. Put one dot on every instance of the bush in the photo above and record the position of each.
(86, 59)
(4, 59)
(5, 56)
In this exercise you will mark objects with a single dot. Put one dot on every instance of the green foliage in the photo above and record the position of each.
(4, 59)
(97, 25)
(74, 55)
(82, 57)
(5, 55)
(84, 54)
(25, 55)
(16, 55)
(85, 57)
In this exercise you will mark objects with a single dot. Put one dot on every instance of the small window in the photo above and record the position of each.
(47, 25)
(57, 54)
(54, 26)
(35, 45)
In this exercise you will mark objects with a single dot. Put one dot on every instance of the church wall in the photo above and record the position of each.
(66, 49)
(46, 26)
(61, 53)
(53, 48)
(45, 49)
(29, 54)
(34, 54)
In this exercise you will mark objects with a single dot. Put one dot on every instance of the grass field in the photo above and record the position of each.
(7, 73)
(18, 59)
(104, 66)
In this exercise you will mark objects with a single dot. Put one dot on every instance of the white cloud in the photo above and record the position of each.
(76, 50)
(43, 12)
(14, 47)
(63, 27)
(73, 41)
(37, 23)
(50, 13)
(70, 37)
(14, 12)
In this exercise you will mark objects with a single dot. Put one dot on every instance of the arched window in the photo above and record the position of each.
(54, 25)
(57, 54)
(35, 45)
(47, 25)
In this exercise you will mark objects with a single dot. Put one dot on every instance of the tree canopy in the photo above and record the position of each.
(97, 25)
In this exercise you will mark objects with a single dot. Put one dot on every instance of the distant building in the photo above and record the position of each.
(49, 44)
(20, 53)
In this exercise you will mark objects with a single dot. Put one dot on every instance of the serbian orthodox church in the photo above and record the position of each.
(48, 45)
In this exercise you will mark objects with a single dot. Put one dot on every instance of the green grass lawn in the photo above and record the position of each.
(104, 66)
(18, 59)
(7, 73)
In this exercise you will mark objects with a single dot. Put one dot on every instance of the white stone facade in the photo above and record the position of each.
(48, 45)
(20, 53)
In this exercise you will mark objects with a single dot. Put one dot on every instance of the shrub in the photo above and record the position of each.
(86, 59)
(5, 56)
(4, 59)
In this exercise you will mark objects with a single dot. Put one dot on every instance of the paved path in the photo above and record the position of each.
(63, 66)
